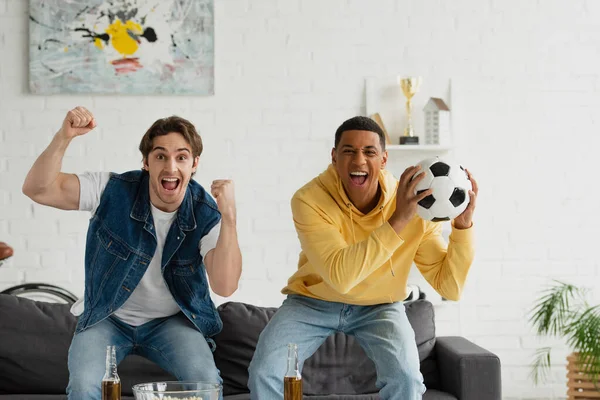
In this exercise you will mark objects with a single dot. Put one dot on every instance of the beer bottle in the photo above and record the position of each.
(111, 383)
(292, 381)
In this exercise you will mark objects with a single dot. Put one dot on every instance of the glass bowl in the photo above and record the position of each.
(177, 391)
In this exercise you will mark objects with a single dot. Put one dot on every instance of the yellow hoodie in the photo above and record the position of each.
(355, 258)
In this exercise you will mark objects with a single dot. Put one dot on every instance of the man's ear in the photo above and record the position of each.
(384, 158)
(195, 164)
(333, 156)
(145, 164)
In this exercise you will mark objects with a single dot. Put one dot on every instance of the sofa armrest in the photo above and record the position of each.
(468, 371)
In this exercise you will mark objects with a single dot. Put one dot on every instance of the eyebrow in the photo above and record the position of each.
(165, 150)
(347, 146)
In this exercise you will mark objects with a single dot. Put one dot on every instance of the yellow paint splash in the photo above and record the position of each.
(99, 43)
(120, 38)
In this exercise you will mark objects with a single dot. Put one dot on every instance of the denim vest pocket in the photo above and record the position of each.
(112, 245)
(185, 267)
(183, 270)
(188, 276)
(111, 254)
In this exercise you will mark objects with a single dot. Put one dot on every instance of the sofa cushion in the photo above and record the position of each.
(348, 368)
(34, 344)
(421, 316)
(237, 341)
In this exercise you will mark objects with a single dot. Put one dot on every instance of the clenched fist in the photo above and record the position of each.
(223, 191)
(78, 121)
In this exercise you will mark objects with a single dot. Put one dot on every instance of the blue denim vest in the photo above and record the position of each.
(121, 242)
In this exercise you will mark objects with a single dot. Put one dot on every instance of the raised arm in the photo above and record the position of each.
(45, 183)
(224, 262)
(445, 267)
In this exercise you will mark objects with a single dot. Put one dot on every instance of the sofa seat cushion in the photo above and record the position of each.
(432, 394)
(429, 395)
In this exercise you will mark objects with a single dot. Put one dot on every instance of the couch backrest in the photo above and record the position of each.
(35, 339)
(339, 366)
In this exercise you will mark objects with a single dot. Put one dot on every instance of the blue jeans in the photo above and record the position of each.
(383, 331)
(173, 343)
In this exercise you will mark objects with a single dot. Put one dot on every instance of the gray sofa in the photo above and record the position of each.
(35, 337)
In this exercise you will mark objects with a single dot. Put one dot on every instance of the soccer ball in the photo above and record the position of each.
(450, 184)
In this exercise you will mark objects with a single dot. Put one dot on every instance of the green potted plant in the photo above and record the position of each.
(563, 312)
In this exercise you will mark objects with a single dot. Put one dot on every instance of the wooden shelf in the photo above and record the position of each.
(416, 147)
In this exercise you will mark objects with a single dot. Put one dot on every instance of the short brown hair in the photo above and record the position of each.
(164, 126)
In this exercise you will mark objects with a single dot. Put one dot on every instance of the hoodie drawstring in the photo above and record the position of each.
(390, 260)
(351, 222)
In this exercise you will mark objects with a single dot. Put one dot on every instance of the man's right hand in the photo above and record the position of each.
(5, 251)
(406, 199)
(78, 121)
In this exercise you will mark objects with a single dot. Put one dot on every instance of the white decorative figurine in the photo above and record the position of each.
(437, 122)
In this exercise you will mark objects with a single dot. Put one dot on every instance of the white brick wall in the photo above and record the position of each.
(287, 73)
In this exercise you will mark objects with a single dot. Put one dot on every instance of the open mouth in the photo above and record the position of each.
(169, 183)
(358, 178)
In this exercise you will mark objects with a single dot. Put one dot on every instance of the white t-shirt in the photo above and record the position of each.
(151, 298)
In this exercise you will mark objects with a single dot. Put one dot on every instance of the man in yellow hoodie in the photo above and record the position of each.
(359, 235)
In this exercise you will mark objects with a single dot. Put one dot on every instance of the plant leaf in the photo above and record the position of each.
(541, 365)
(552, 312)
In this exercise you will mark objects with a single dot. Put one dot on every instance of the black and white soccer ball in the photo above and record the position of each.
(450, 184)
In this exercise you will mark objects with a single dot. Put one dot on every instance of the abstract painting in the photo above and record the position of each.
(121, 46)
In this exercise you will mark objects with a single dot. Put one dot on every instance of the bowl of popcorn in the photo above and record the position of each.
(177, 391)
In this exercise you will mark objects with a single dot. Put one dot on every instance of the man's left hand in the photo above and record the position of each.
(223, 191)
(465, 220)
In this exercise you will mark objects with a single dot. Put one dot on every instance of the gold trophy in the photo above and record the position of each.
(410, 86)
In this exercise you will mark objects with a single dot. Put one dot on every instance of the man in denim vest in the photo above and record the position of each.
(153, 238)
